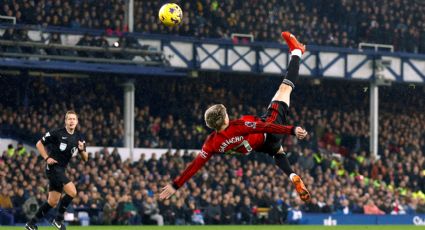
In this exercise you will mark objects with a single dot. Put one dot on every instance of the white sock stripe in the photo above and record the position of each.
(297, 52)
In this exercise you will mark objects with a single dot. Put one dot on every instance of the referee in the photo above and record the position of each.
(62, 143)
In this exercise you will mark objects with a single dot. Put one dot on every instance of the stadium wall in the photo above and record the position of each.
(359, 219)
(148, 152)
(124, 152)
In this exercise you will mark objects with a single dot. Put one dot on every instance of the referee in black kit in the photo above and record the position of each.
(62, 143)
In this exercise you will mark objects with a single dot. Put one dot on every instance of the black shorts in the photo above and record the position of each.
(57, 178)
(277, 113)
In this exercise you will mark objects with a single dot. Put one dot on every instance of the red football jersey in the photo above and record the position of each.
(241, 136)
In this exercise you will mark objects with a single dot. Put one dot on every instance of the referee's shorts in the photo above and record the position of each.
(57, 178)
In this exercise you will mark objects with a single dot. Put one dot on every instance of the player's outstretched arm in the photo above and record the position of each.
(167, 192)
(300, 133)
(194, 166)
(267, 127)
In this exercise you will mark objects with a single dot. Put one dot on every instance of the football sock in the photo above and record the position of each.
(44, 208)
(296, 52)
(65, 201)
(282, 162)
(291, 75)
(292, 175)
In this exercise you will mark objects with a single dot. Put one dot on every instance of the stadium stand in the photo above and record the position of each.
(336, 154)
(334, 161)
(185, 100)
(342, 23)
(112, 191)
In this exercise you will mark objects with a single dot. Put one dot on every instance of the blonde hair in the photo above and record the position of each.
(215, 116)
(70, 112)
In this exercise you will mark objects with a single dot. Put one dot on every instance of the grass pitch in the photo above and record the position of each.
(231, 227)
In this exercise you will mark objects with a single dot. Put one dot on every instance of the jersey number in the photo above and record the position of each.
(244, 143)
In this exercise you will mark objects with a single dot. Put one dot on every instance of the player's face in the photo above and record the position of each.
(71, 121)
(226, 120)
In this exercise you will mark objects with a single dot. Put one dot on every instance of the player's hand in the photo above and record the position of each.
(167, 192)
(300, 133)
(51, 161)
(81, 146)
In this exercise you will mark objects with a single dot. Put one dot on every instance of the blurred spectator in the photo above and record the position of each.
(295, 215)
(195, 213)
(86, 40)
(126, 211)
(151, 211)
(5, 199)
(227, 212)
(11, 35)
(421, 207)
(18, 202)
(168, 212)
(278, 213)
(10, 150)
(110, 211)
(246, 211)
(54, 39)
(344, 207)
(6, 207)
(103, 43)
(181, 212)
(213, 213)
(21, 150)
(371, 209)
(312, 206)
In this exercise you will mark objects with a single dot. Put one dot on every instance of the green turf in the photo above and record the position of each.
(229, 227)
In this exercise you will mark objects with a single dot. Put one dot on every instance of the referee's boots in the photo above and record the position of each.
(30, 226)
(59, 224)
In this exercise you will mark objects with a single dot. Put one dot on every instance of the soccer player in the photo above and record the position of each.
(63, 143)
(251, 132)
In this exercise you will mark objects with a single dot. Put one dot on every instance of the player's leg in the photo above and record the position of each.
(278, 112)
(297, 49)
(283, 163)
(70, 193)
(283, 94)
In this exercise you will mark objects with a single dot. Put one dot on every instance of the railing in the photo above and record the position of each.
(185, 54)
(148, 58)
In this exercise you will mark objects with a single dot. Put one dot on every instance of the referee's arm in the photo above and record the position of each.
(82, 150)
(42, 150)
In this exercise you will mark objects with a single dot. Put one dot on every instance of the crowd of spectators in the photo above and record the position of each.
(335, 113)
(334, 160)
(342, 174)
(326, 22)
(228, 190)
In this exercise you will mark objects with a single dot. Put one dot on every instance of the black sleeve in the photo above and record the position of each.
(81, 138)
(50, 137)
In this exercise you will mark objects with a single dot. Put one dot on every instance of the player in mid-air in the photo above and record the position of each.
(62, 143)
(261, 134)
